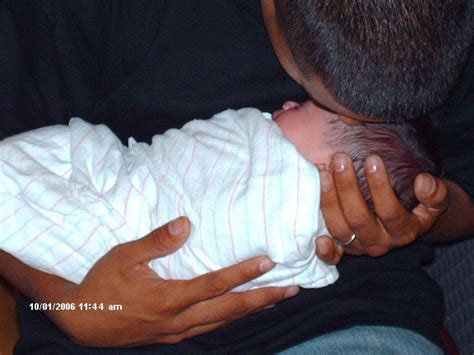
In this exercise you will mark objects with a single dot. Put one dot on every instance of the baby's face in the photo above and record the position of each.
(306, 125)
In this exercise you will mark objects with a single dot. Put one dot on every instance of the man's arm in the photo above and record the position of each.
(169, 311)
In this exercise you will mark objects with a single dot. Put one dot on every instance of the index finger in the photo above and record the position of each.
(217, 283)
(236, 305)
(160, 242)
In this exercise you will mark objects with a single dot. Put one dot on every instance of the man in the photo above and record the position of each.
(124, 64)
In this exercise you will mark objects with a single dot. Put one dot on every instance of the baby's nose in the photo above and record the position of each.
(289, 105)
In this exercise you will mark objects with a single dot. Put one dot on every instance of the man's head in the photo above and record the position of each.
(318, 134)
(372, 60)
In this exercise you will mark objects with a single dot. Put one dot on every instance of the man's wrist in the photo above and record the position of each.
(456, 222)
(35, 284)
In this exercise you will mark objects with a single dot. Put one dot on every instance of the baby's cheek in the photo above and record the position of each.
(288, 129)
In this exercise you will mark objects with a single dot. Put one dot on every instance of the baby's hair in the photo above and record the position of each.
(396, 144)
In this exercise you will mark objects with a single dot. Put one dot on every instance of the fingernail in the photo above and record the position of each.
(292, 291)
(176, 228)
(340, 163)
(270, 306)
(266, 264)
(428, 184)
(373, 164)
(322, 247)
(325, 181)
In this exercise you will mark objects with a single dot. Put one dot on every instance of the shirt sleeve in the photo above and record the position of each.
(456, 131)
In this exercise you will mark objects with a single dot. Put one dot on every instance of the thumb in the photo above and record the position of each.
(162, 241)
(328, 250)
(432, 193)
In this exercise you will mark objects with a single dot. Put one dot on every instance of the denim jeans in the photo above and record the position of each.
(367, 340)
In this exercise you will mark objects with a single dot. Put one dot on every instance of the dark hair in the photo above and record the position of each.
(396, 144)
(389, 59)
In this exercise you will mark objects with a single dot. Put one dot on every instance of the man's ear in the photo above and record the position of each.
(349, 120)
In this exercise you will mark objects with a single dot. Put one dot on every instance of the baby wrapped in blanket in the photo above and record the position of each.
(249, 185)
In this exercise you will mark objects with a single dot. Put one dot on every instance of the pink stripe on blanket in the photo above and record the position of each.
(185, 177)
(118, 227)
(82, 140)
(144, 181)
(206, 186)
(78, 249)
(73, 150)
(57, 202)
(264, 187)
(33, 180)
(229, 220)
(160, 179)
(297, 210)
(40, 152)
(35, 238)
(14, 213)
(126, 201)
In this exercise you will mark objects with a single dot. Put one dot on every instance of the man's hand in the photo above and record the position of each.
(345, 210)
(153, 310)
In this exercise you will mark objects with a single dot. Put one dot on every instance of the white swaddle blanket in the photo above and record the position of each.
(68, 194)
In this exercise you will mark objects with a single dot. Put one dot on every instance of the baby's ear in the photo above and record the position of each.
(323, 166)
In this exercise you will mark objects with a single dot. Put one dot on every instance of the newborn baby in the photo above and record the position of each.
(249, 185)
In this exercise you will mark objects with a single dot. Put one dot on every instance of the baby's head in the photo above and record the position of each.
(318, 134)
